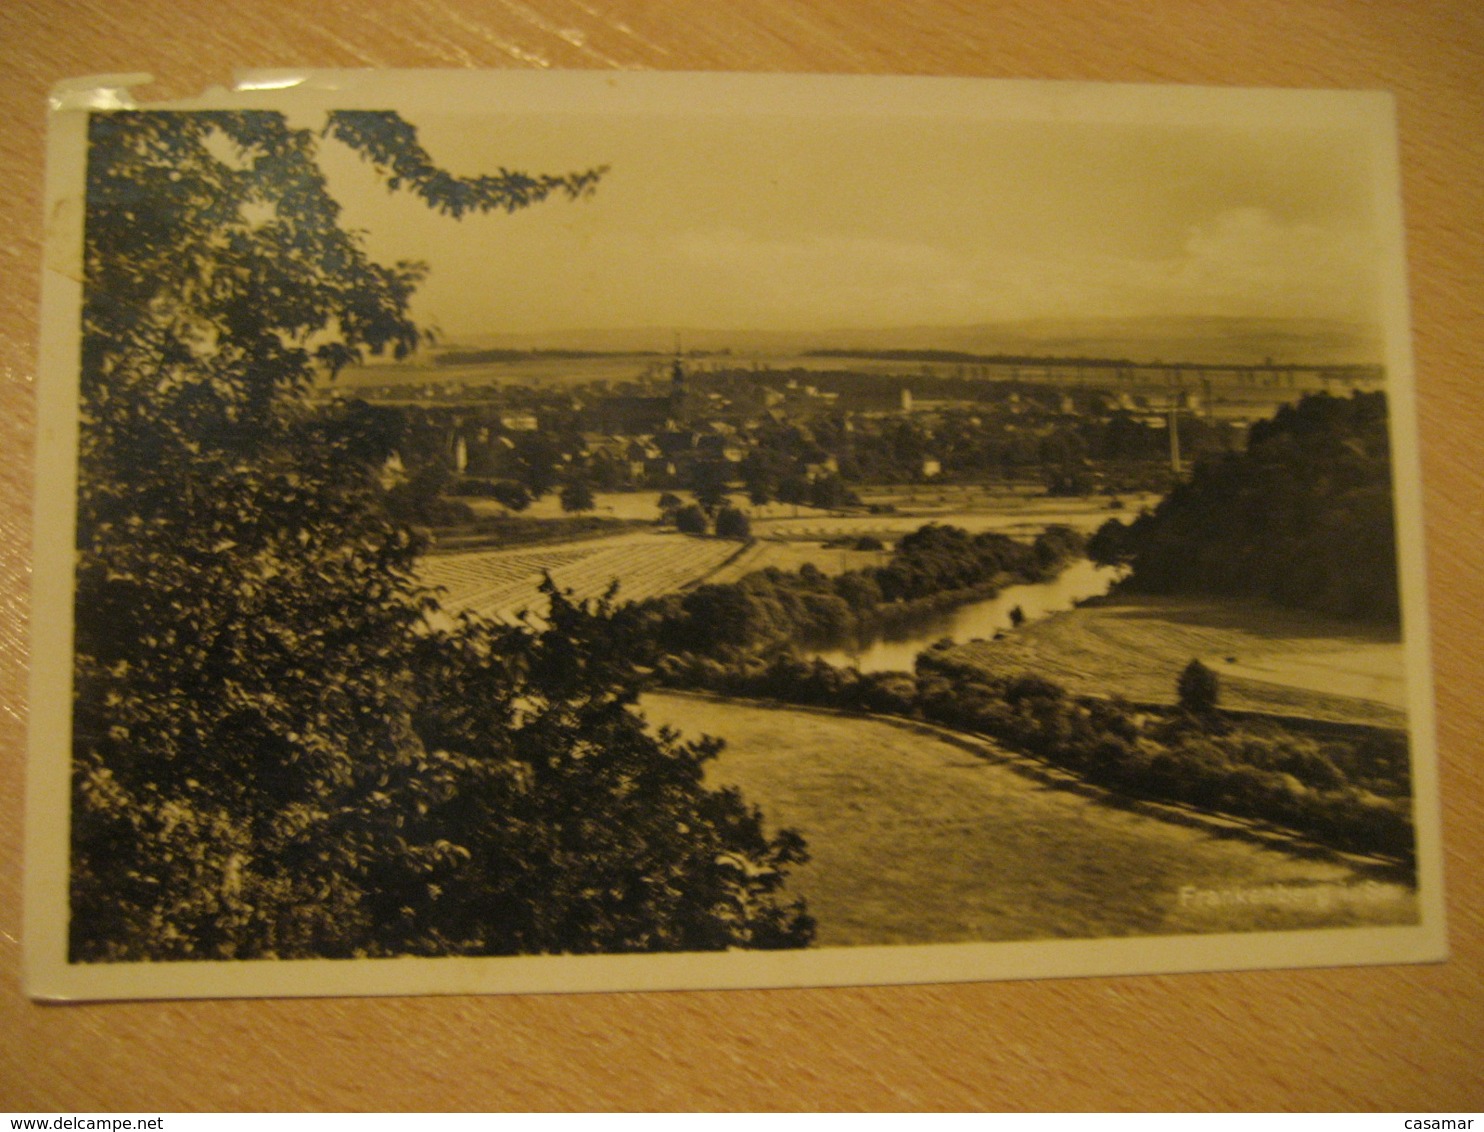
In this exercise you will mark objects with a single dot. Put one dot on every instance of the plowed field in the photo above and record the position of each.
(503, 583)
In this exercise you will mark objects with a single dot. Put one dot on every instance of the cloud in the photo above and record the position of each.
(1242, 262)
(1248, 262)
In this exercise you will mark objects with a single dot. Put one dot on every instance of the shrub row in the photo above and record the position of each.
(1326, 790)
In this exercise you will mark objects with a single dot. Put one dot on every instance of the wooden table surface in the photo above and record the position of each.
(1406, 1038)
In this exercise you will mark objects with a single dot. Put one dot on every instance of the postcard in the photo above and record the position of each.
(516, 532)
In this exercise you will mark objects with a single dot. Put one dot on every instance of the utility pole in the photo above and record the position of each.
(1174, 432)
(1174, 435)
(1177, 393)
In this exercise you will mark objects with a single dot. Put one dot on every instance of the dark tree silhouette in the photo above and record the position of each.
(669, 503)
(691, 520)
(511, 495)
(1303, 517)
(732, 523)
(1198, 688)
(577, 496)
(269, 755)
(709, 486)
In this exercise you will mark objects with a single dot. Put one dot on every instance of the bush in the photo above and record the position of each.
(1030, 687)
(577, 496)
(691, 520)
(890, 693)
(1198, 688)
(732, 523)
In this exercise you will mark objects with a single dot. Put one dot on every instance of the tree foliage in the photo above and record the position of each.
(1197, 689)
(587, 833)
(511, 495)
(709, 485)
(274, 751)
(577, 496)
(691, 519)
(1303, 517)
(391, 145)
(669, 503)
(733, 523)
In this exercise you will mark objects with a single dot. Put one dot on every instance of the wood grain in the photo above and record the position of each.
(1381, 1038)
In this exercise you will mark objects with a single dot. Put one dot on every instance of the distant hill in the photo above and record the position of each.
(1211, 340)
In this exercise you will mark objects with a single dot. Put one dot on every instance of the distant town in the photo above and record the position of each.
(803, 428)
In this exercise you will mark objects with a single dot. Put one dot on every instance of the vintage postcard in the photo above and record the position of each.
(561, 532)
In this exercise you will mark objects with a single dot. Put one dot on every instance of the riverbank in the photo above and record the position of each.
(963, 617)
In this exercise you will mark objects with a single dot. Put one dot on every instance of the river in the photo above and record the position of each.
(895, 650)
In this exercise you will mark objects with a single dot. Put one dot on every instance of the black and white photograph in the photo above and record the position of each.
(541, 531)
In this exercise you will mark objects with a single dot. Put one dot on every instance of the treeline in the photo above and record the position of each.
(491, 356)
(772, 609)
(1303, 517)
(962, 356)
(1345, 792)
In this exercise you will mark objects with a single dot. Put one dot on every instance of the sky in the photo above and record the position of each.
(795, 222)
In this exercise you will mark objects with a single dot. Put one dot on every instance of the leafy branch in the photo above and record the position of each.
(383, 138)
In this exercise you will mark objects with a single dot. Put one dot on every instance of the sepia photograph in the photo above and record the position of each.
(601, 531)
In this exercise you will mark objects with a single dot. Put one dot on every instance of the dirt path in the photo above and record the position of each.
(916, 840)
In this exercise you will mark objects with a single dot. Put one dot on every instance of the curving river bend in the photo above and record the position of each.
(895, 650)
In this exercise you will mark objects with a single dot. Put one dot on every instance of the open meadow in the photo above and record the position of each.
(916, 839)
(1267, 658)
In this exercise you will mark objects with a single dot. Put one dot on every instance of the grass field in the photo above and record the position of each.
(918, 840)
(1268, 658)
